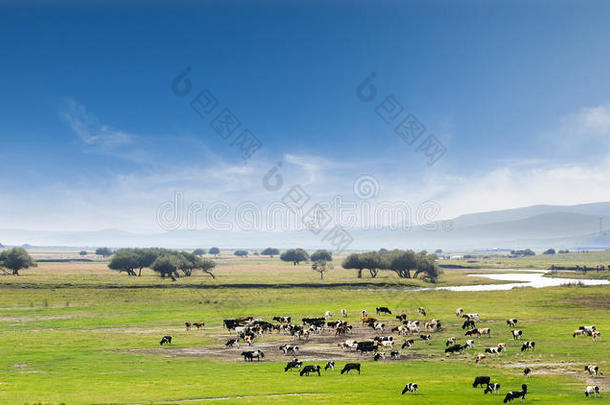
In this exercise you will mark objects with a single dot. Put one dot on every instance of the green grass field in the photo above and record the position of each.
(78, 333)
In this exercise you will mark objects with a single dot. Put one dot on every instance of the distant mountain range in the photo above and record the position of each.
(536, 227)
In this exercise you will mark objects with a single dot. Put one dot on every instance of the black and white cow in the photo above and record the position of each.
(459, 312)
(408, 343)
(251, 354)
(450, 341)
(401, 317)
(410, 387)
(517, 334)
(286, 349)
(295, 363)
(379, 356)
(469, 344)
(528, 345)
(481, 380)
(454, 349)
(527, 371)
(310, 369)
(494, 350)
(395, 355)
(384, 310)
(512, 395)
(165, 339)
(329, 365)
(351, 366)
(282, 319)
(592, 369)
(426, 338)
(344, 313)
(512, 322)
(493, 388)
(592, 390)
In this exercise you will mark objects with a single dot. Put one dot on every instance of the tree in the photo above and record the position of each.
(206, 265)
(295, 256)
(16, 259)
(438, 251)
(83, 253)
(321, 266)
(104, 252)
(199, 252)
(124, 260)
(146, 257)
(426, 265)
(353, 262)
(402, 262)
(214, 251)
(166, 265)
(270, 252)
(324, 255)
(550, 251)
(241, 253)
(373, 261)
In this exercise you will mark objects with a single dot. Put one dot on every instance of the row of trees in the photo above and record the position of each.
(166, 262)
(299, 255)
(402, 262)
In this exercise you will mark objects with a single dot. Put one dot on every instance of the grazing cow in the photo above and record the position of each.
(368, 320)
(383, 310)
(341, 330)
(188, 325)
(395, 355)
(401, 317)
(166, 339)
(469, 323)
(591, 391)
(410, 387)
(401, 329)
(282, 319)
(230, 324)
(248, 339)
(433, 324)
(472, 317)
(450, 341)
(295, 363)
(472, 332)
(367, 346)
(481, 380)
(310, 369)
(596, 335)
(351, 366)
(527, 371)
(348, 344)
(502, 346)
(329, 365)
(328, 315)
(344, 313)
(480, 357)
(314, 321)
(592, 369)
(289, 349)
(493, 388)
(512, 395)
(484, 331)
(232, 342)
(378, 326)
(528, 345)
(494, 350)
(512, 322)
(379, 356)
(459, 312)
(421, 311)
(589, 329)
(578, 332)
(469, 344)
(364, 313)
(517, 334)
(426, 338)
(454, 349)
(386, 344)
(250, 355)
(408, 343)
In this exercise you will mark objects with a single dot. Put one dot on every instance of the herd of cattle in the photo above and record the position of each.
(247, 329)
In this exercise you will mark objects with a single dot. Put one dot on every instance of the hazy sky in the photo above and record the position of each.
(93, 136)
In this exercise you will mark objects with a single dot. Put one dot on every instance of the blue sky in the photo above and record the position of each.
(517, 91)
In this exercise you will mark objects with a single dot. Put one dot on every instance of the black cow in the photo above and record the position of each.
(366, 347)
(481, 380)
(310, 369)
(165, 339)
(384, 310)
(232, 342)
(458, 348)
(468, 324)
(401, 317)
(351, 366)
(527, 371)
(511, 395)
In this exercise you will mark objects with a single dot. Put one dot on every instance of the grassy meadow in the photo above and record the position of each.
(78, 333)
